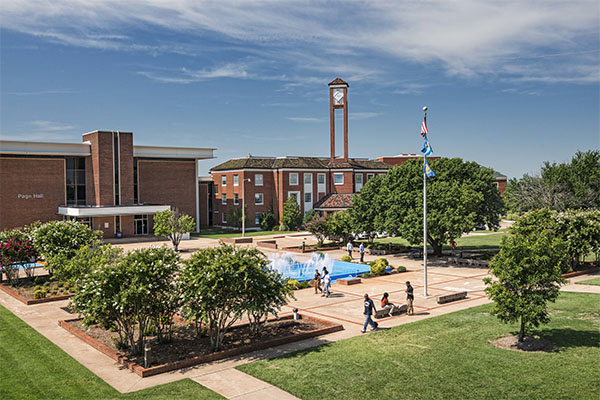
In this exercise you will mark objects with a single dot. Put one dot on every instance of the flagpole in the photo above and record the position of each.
(425, 217)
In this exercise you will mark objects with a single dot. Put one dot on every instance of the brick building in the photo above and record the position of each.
(106, 182)
(324, 184)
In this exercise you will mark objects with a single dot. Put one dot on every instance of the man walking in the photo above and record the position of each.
(326, 282)
(349, 248)
(317, 281)
(369, 308)
(362, 252)
(409, 299)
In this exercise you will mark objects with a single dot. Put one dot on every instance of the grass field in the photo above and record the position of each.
(491, 240)
(34, 368)
(593, 281)
(450, 357)
(218, 233)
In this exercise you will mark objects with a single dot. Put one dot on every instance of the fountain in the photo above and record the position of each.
(288, 266)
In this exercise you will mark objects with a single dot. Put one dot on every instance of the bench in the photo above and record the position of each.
(447, 298)
(385, 312)
(237, 240)
(348, 281)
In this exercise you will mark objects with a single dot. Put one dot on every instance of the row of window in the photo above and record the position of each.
(257, 218)
(338, 179)
(259, 199)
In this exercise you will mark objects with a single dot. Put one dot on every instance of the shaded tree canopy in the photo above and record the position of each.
(460, 196)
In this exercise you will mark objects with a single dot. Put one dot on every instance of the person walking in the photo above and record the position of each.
(326, 282)
(369, 309)
(317, 281)
(409, 299)
(362, 252)
(349, 247)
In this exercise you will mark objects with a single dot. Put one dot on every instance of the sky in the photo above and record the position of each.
(508, 84)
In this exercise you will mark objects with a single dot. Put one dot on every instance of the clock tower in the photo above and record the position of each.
(338, 98)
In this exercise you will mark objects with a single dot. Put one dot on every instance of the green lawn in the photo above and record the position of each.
(34, 368)
(492, 240)
(218, 233)
(593, 281)
(450, 357)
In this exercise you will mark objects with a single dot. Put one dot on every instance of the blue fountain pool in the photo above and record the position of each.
(337, 269)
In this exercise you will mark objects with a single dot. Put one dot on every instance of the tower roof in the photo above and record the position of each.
(338, 81)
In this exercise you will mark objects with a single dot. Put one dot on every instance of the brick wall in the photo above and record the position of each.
(30, 177)
(168, 182)
(100, 188)
(126, 167)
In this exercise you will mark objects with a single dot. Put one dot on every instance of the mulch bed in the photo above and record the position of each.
(55, 291)
(187, 349)
(529, 343)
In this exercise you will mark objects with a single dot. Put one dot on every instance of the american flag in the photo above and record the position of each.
(424, 130)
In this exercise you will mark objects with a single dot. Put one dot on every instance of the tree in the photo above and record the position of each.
(559, 187)
(267, 221)
(86, 259)
(460, 196)
(214, 285)
(318, 227)
(234, 216)
(131, 293)
(527, 269)
(579, 230)
(174, 225)
(58, 241)
(310, 215)
(291, 217)
(339, 226)
(364, 213)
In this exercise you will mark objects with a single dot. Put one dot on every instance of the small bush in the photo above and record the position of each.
(379, 266)
(275, 228)
(346, 258)
(46, 284)
(54, 292)
(38, 280)
(39, 294)
(401, 269)
(365, 275)
(60, 284)
(293, 284)
(38, 287)
(304, 285)
(268, 221)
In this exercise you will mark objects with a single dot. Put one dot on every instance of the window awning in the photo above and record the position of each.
(101, 211)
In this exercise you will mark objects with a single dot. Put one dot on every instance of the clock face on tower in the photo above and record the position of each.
(338, 96)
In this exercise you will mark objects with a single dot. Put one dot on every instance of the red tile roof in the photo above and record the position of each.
(338, 81)
(334, 201)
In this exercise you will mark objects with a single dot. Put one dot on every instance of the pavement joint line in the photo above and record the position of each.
(338, 318)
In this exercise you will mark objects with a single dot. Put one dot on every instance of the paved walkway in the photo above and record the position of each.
(344, 306)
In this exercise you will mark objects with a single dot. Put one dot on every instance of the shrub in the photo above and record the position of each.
(304, 285)
(173, 225)
(318, 226)
(346, 258)
(379, 266)
(268, 221)
(38, 280)
(293, 284)
(87, 258)
(401, 269)
(292, 215)
(310, 216)
(39, 294)
(15, 248)
(275, 228)
(58, 241)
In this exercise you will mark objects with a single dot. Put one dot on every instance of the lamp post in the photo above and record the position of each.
(424, 218)
(244, 205)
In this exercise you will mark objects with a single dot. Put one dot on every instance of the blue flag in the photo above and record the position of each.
(427, 150)
(427, 170)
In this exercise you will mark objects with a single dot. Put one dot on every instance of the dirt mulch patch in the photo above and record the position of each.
(52, 290)
(186, 344)
(529, 343)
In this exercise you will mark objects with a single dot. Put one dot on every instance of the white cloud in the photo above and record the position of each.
(305, 119)
(363, 115)
(467, 38)
(50, 126)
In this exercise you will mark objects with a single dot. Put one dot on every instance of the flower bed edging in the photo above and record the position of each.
(29, 301)
(577, 273)
(330, 327)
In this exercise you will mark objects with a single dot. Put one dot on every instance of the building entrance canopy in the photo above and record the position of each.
(100, 211)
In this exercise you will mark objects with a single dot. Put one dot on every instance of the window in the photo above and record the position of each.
(223, 219)
(75, 179)
(293, 178)
(308, 179)
(307, 197)
(224, 199)
(358, 179)
(236, 180)
(140, 223)
(224, 180)
(258, 218)
(259, 199)
(236, 198)
(370, 176)
(338, 178)
(321, 179)
(216, 190)
(258, 180)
